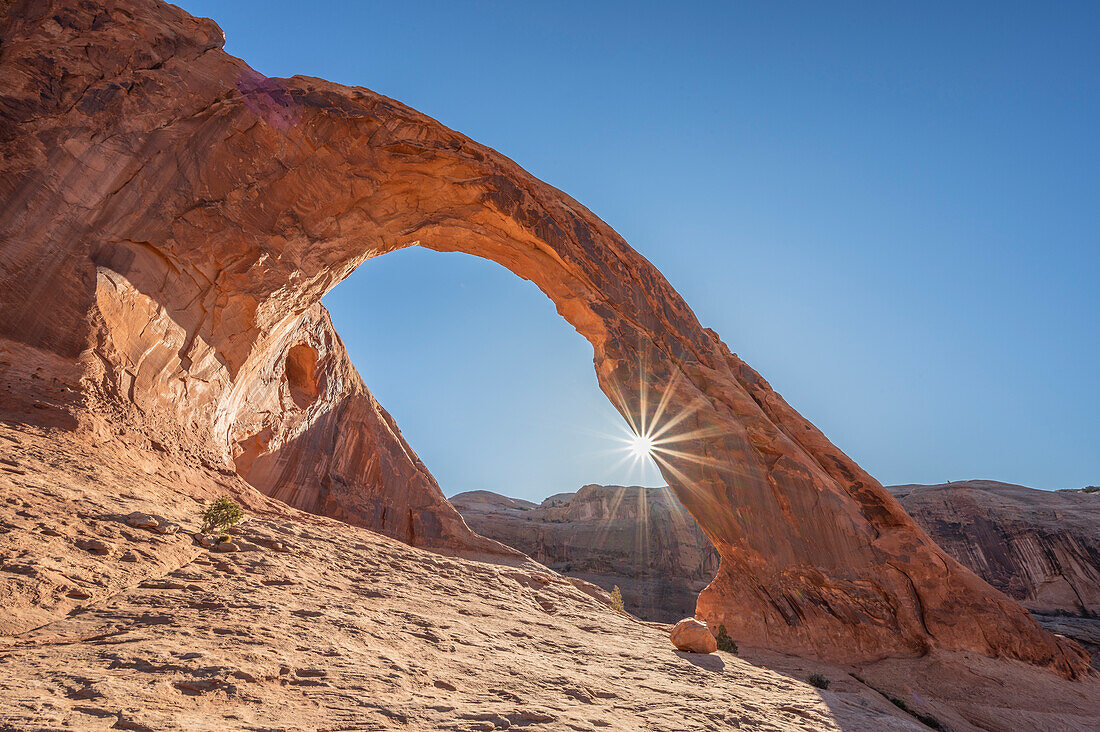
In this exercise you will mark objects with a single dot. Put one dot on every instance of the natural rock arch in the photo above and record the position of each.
(159, 181)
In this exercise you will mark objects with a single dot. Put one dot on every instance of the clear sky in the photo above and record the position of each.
(891, 210)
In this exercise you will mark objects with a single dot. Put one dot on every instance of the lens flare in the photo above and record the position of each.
(641, 446)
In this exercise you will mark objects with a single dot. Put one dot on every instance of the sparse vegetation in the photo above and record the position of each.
(1091, 489)
(223, 537)
(818, 680)
(220, 515)
(929, 721)
(926, 719)
(725, 643)
(617, 599)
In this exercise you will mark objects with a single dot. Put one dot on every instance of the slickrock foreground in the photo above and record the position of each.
(352, 630)
(171, 220)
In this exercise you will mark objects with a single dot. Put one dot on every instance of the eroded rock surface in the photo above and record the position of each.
(346, 628)
(1041, 548)
(172, 219)
(639, 539)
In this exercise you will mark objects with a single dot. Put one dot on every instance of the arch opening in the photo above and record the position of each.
(492, 388)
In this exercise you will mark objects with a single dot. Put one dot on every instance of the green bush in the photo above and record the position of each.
(818, 680)
(1091, 489)
(617, 599)
(221, 514)
(725, 643)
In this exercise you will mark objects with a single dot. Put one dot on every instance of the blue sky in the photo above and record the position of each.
(890, 210)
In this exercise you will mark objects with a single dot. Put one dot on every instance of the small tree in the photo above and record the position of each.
(725, 643)
(221, 514)
(617, 599)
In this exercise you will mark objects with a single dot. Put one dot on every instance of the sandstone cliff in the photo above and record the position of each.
(1041, 548)
(640, 539)
(172, 218)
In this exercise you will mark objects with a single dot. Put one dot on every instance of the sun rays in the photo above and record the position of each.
(641, 446)
(658, 431)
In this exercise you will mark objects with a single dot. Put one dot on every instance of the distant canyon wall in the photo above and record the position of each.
(1041, 548)
(639, 539)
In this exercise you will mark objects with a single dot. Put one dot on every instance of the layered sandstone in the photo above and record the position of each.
(1041, 548)
(639, 539)
(138, 157)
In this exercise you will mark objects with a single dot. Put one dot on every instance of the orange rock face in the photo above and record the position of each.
(694, 636)
(172, 219)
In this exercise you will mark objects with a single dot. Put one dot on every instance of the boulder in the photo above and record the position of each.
(95, 546)
(206, 541)
(694, 636)
(142, 521)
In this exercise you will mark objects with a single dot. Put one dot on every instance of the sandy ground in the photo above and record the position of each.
(349, 630)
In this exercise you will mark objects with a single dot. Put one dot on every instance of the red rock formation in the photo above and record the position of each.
(639, 539)
(1041, 548)
(171, 218)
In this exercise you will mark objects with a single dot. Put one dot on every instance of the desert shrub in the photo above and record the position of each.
(223, 537)
(818, 680)
(221, 514)
(926, 719)
(1091, 489)
(617, 599)
(929, 721)
(725, 643)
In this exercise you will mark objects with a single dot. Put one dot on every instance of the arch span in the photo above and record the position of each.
(166, 177)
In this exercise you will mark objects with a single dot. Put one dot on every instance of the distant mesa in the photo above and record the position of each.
(640, 539)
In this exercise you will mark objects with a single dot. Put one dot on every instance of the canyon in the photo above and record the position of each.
(639, 539)
(1041, 548)
(171, 220)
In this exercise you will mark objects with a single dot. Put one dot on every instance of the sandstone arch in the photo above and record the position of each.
(185, 215)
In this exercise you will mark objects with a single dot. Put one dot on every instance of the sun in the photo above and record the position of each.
(641, 445)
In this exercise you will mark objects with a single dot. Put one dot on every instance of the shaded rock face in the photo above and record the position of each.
(1041, 548)
(639, 539)
(172, 219)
